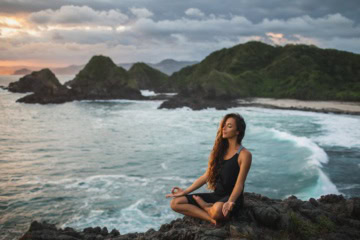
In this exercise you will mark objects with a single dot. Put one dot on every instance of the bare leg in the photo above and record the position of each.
(204, 205)
(181, 205)
(213, 209)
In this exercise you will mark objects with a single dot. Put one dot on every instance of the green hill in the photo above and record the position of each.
(255, 69)
(147, 77)
(101, 76)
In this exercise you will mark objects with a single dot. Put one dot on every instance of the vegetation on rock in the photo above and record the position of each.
(255, 69)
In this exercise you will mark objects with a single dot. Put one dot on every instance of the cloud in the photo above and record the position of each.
(71, 34)
(141, 12)
(78, 15)
(194, 12)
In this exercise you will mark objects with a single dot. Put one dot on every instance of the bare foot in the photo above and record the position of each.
(204, 205)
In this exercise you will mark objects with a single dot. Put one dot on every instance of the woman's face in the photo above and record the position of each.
(229, 129)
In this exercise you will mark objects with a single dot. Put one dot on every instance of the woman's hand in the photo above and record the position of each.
(176, 192)
(227, 207)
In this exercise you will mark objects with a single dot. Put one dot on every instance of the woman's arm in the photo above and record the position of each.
(197, 184)
(244, 161)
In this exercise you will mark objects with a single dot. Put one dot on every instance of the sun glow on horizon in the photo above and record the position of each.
(10, 21)
(28, 63)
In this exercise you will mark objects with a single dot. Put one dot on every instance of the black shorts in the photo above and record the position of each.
(213, 198)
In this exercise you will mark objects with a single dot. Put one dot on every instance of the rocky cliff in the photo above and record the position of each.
(329, 217)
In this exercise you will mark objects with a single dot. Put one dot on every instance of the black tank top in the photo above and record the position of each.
(229, 171)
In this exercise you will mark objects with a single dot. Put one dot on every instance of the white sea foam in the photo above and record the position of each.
(181, 180)
(318, 156)
(139, 216)
(163, 165)
(350, 186)
(325, 184)
(102, 183)
(322, 187)
(148, 93)
(339, 131)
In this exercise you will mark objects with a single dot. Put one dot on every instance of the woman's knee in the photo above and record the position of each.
(174, 203)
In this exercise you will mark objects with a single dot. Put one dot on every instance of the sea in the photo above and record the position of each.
(110, 163)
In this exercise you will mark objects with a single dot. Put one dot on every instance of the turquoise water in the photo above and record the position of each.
(110, 163)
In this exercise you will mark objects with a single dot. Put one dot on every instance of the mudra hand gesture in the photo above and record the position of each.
(227, 207)
(176, 192)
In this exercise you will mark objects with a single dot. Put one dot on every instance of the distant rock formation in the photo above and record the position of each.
(261, 218)
(100, 79)
(43, 81)
(148, 78)
(167, 66)
(22, 71)
(69, 70)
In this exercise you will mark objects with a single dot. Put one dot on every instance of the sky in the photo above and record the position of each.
(45, 33)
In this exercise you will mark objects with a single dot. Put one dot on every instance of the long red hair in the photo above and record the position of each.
(220, 147)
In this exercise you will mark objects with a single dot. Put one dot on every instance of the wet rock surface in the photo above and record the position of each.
(198, 100)
(329, 217)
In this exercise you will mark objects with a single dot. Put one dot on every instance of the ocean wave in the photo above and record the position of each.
(339, 131)
(317, 158)
(139, 216)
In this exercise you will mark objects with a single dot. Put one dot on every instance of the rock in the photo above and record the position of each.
(267, 216)
(197, 102)
(41, 82)
(313, 202)
(148, 78)
(331, 198)
(220, 233)
(100, 79)
(353, 207)
(114, 232)
(104, 231)
(21, 71)
(241, 230)
(334, 217)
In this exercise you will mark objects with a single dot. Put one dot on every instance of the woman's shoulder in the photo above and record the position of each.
(245, 155)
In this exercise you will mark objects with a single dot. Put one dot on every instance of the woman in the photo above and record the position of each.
(229, 164)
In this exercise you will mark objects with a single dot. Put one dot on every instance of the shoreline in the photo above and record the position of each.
(338, 107)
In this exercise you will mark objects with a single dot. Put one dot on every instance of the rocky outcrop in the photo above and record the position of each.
(148, 78)
(100, 79)
(43, 81)
(329, 217)
(198, 99)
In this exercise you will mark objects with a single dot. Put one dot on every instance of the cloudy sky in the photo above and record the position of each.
(60, 33)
